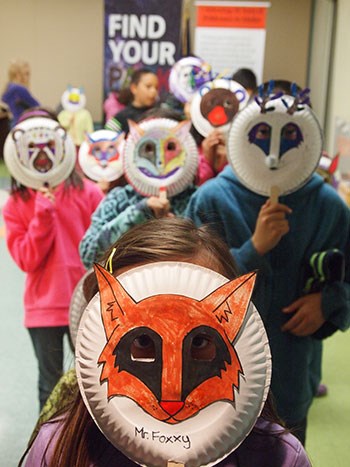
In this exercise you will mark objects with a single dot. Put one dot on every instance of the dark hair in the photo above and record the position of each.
(79, 441)
(167, 239)
(161, 112)
(125, 96)
(246, 77)
(73, 181)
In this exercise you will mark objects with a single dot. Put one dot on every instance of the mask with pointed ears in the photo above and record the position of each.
(100, 155)
(169, 363)
(160, 153)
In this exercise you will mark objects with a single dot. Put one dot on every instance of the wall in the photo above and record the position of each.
(287, 40)
(63, 41)
(339, 102)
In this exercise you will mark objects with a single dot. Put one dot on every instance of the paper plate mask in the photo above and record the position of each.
(275, 143)
(38, 151)
(76, 308)
(100, 155)
(173, 362)
(73, 99)
(216, 103)
(187, 75)
(160, 153)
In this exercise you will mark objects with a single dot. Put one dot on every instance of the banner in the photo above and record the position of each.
(140, 34)
(231, 35)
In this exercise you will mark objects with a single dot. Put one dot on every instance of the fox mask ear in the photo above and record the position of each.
(135, 130)
(230, 303)
(113, 299)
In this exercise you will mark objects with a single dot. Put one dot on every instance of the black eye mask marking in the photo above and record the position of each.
(147, 370)
(196, 370)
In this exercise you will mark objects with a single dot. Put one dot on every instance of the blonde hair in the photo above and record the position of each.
(16, 69)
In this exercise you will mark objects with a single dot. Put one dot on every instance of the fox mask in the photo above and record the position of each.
(171, 354)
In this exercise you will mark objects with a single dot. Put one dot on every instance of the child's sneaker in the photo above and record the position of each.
(322, 390)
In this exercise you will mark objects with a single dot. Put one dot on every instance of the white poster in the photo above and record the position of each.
(231, 35)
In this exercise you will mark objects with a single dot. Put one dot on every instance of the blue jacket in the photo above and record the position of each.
(121, 209)
(19, 99)
(319, 221)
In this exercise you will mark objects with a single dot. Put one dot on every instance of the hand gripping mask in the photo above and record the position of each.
(39, 152)
(160, 153)
(100, 155)
(173, 362)
(187, 75)
(73, 99)
(216, 103)
(275, 141)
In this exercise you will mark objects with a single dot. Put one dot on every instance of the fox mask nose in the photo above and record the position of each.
(171, 407)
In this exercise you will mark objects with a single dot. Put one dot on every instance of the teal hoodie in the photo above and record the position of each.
(319, 221)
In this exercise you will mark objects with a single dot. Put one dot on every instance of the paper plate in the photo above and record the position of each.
(77, 305)
(274, 148)
(187, 75)
(100, 155)
(216, 103)
(73, 99)
(169, 301)
(160, 153)
(38, 151)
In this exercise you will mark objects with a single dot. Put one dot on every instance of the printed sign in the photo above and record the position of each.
(237, 29)
(140, 34)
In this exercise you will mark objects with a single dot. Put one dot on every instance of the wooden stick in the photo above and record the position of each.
(274, 194)
(175, 464)
(162, 192)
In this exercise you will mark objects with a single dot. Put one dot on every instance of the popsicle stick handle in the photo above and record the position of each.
(162, 192)
(175, 464)
(274, 194)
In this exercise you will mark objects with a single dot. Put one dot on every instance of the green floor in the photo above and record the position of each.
(328, 442)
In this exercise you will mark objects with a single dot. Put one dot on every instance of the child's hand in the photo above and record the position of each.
(214, 150)
(209, 145)
(48, 193)
(308, 317)
(159, 206)
(104, 185)
(270, 227)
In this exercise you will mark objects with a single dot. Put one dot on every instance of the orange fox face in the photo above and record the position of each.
(171, 354)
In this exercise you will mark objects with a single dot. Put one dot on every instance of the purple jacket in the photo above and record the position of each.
(19, 99)
(266, 446)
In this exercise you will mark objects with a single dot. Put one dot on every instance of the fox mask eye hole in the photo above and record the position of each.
(148, 150)
(171, 146)
(143, 349)
(203, 348)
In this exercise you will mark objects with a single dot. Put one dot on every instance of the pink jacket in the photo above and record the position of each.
(43, 239)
